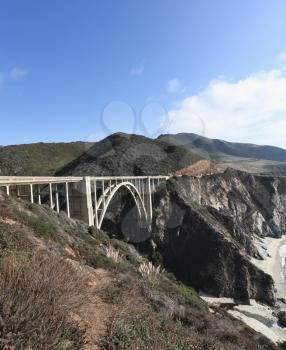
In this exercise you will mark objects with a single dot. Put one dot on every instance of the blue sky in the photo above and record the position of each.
(79, 70)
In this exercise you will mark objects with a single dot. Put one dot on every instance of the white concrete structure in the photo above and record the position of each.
(86, 198)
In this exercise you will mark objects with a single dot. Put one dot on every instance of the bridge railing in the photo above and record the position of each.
(26, 180)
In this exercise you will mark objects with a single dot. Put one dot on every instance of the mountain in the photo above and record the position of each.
(39, 158)
(243, 156)
(124, 154)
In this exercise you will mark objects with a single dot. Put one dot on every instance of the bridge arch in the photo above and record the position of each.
(108, 195)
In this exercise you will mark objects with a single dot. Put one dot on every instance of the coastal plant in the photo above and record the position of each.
(150, 272)
(112, 253)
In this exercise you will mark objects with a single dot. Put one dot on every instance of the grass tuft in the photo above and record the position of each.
(150, 272)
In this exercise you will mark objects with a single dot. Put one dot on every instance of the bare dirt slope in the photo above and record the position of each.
(202, 167)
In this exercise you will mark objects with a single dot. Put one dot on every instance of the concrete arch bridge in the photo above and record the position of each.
(86, 198)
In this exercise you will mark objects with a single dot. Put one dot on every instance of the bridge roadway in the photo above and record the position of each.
(86, 197)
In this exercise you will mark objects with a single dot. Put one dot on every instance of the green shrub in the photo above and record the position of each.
(44, 227)
(101, 261)
(180, 292)
(98, 235)
(112, 293)
(12, 241)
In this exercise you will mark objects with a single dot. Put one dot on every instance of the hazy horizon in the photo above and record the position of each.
(90, 141)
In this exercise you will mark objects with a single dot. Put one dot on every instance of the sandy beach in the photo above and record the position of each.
(258, 316)
(273, 263)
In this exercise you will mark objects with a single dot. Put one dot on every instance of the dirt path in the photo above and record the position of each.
(94, 315)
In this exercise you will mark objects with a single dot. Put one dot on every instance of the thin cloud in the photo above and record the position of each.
(17, 73)
(249, 110)
(175, 86)
(282, 57)
(135, 71)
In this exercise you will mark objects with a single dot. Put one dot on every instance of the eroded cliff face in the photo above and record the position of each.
(206, 229)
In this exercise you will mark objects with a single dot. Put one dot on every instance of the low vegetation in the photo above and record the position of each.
(39, 159)
(137, 326)
(112, 253)
(37, 295)
(139, 306)
(150, 272)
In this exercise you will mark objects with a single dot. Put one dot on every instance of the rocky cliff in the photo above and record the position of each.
(207, 228)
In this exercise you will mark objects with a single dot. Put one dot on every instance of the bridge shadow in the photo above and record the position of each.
(122, 219)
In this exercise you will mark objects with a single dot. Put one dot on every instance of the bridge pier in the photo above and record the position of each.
(80, 201)
(148, 201)
(68, 200)
(32, 193)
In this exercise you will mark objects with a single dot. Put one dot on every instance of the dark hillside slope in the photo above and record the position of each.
(123, 154)
(39, 158)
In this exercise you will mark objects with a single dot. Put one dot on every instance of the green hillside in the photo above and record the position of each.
(39, 158)
(125, 154)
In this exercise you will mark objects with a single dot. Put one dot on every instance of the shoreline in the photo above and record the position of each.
(272, 265)
(257, 316)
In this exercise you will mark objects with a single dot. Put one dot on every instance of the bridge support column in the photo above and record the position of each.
(88, 200)
(51, 196)
(68, 200)
(39, 195)
(81, 201)
(57, 200)
(32, 193)
(95, 204)
(147, 198)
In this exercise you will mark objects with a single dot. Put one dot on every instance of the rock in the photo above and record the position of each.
(282, 318)
(205, 228)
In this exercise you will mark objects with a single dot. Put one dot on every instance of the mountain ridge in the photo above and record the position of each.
(131, 154)
(270, 160)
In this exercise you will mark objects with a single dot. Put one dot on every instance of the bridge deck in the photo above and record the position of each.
(39, 180)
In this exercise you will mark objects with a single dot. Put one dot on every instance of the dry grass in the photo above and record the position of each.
(113, 254)
(37, 296)
(150, 272)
